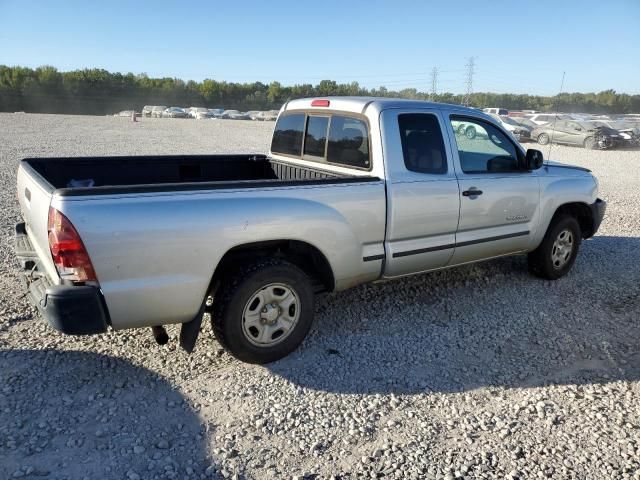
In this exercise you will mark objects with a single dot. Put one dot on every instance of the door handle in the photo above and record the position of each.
(472, 192)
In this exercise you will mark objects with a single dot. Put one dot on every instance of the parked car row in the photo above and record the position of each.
(201, 113)
(577, 129)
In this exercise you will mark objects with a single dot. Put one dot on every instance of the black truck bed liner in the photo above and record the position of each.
(130, 174)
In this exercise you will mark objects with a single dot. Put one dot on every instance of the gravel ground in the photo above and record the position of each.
(477, 372)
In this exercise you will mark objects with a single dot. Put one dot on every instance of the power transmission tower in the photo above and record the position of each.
(471, 65)
(434, 83)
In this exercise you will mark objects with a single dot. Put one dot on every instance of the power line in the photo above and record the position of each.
(469, 81)
(434, 83)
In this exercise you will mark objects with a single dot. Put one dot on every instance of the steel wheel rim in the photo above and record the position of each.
(562, 249)
(270, 314)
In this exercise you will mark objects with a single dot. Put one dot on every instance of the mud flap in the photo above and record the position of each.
(190, 331)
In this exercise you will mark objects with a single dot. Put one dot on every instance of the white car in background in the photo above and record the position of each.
(496, 111)
(146, 110)
(269, 115)
(198, 113)
(156, 112)
(521, 132)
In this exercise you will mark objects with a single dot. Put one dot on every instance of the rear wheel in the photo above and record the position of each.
(558, 251)
(543, 139)
(264, 311)
(470, 133)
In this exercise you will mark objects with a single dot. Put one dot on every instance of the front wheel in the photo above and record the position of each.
(543, 139)
(263, 311)
(558, 251)
(590, 143)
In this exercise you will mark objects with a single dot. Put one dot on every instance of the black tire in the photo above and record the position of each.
(590, 143)
(232, 297)
(543, 139)
(470, 133)
(541, 260)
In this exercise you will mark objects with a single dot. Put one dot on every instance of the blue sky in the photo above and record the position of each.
(519, 46)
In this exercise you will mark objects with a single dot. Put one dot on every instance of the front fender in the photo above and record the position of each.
(558, 191)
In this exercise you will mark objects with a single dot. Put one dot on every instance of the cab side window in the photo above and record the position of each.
(482, 148)
(422, 143)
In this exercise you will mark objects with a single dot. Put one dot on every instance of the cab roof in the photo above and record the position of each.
(360, 104)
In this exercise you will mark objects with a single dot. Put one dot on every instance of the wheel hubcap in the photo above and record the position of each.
(562, 249)
(270, 315)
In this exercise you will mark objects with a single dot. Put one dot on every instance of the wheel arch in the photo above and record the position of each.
(581, 212)
(304, 255)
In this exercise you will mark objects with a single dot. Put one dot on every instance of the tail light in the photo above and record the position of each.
(67, 250)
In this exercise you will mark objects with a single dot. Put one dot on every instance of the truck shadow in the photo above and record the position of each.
(489, 324)
(86, 415)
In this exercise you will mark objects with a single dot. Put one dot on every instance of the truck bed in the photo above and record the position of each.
(108, 175)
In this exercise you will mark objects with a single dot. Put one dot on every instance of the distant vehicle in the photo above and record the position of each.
(467, 129)
(629, 132)
(254, 114)
(146, 110)
(174, 112)
(270, 115)
(215, 112)
(235, 115)
(156, 112)
(198, 112)
(524, 121)
(577, 133)
(522, 133)
(126, 113)
(542, 118)
(496, 111)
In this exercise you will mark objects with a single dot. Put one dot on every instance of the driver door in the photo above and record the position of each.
(499, 202)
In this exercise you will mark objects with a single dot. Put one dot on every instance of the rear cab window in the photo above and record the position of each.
(287, 137)
(331, 138)
(422, 143)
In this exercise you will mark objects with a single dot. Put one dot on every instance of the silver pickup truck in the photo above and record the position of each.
(353, 190)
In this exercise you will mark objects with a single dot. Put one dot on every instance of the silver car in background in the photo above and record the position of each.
(579, 134)
(235, 115)
(174, 112)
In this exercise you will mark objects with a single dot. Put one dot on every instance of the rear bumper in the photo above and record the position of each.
(598, 209)
(70, 309)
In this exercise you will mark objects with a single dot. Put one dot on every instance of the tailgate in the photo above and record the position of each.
(34, 196)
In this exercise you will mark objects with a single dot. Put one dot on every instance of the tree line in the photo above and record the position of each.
(97, 92)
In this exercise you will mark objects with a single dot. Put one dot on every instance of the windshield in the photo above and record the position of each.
(509, 120)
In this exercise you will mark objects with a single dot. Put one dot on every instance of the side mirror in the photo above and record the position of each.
(533, 160)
